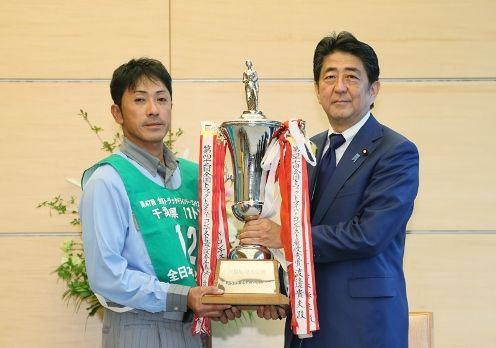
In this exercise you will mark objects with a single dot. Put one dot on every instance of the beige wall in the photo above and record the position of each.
(438, 84)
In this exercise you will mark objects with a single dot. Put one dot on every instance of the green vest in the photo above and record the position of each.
(166, 218)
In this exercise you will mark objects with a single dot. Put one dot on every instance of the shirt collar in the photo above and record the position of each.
(151, 163)
(350, 133)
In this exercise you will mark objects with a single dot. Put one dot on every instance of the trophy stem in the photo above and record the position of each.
(250, 252)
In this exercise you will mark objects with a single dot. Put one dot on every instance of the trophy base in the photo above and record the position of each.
(247, 301)
(247, 284)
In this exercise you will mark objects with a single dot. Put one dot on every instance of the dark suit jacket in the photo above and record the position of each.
(358, 233)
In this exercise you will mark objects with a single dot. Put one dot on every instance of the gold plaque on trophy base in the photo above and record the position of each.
(247, 284)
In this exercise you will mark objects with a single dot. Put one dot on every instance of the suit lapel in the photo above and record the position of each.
(366, 139)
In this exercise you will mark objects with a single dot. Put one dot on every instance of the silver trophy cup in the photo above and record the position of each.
(248, 138)
(250, 276)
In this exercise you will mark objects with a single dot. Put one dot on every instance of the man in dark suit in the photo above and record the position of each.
(359, 207)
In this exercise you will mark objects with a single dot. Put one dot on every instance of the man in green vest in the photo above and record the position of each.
(139, 213)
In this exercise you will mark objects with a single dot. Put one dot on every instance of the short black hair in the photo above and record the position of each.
(129, 74)
(346, 42)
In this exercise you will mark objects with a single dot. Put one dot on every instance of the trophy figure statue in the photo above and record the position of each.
(250, 79)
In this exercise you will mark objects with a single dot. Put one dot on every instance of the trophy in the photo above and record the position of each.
(249, 276)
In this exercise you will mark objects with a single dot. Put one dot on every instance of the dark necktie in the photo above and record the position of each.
(327, 167)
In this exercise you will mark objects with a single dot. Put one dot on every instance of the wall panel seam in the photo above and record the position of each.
(421, 80)
(410, 232)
